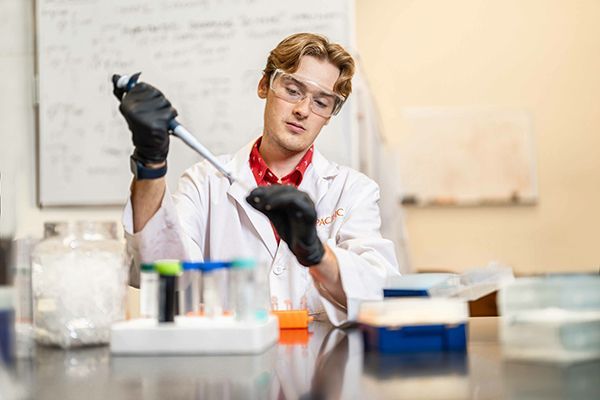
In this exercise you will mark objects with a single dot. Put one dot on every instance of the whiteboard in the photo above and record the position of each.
(467, 156)
(206, 56)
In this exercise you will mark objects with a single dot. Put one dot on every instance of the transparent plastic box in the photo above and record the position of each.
(551, 318)
(468, 286)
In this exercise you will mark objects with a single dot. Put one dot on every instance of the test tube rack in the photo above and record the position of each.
(193, 335)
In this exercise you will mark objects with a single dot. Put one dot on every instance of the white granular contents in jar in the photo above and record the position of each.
(77, 296)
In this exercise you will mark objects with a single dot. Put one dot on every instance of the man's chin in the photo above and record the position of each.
(297, 147)
(296, 144)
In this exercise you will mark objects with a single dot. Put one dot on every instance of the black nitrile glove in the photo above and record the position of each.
(148, 114)
(293, 214)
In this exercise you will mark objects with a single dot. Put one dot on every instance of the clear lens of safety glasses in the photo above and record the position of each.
(294, 89)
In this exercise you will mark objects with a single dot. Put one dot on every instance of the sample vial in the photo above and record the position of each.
(189, 289)
(24, 334)
(243, 301)
(168, 271)
(262, 292)
(215, 287)
(148, 291)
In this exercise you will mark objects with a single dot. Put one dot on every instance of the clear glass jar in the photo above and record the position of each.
(79, 281)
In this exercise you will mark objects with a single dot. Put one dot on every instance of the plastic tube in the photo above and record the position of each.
(189, 289)
(25, 344)
(168, 271)
(243, 299)
(215, 287)
(148, 291)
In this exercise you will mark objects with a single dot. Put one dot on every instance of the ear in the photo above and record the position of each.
(263, 87)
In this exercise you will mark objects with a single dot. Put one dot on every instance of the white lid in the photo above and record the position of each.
(413, 311)
(421, 281)
(575, 292)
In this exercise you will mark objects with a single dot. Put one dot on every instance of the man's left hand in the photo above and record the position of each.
(293, 215)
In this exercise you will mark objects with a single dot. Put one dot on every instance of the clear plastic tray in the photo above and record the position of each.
(470, 285)
(551, 318)
(577, 292)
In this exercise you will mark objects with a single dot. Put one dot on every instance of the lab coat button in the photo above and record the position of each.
(278, 269)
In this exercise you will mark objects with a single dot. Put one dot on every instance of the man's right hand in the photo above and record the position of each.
(148, 114)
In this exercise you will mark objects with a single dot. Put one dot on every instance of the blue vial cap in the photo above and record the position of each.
(213, 265)
(191, 265)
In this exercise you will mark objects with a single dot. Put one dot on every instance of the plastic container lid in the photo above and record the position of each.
(470, 285)
(573, 292)
(147, 267)
(213, 265)
(191, 265)
(244, 263)
(168, 267)
(413, 311)
(416, 285)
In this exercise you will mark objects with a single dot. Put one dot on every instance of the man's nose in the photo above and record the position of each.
(302, 108)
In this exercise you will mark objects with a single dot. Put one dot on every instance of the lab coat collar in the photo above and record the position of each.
(318, 177)
(324, 168)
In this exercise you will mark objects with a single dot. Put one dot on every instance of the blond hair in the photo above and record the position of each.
(286, 56)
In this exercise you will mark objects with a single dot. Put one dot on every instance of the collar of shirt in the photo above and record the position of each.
(264, 176)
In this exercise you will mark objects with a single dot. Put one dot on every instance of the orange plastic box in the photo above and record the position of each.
(293, 319)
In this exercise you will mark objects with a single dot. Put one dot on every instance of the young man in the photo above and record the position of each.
(315, 222)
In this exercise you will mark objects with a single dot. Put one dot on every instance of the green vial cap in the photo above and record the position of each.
(147, 267)
(168, 267)
(243, 263)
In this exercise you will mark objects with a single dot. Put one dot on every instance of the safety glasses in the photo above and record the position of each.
(294, 89)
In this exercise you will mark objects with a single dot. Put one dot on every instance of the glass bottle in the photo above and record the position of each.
(79, 281)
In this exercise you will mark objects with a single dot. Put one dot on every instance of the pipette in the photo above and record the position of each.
(127, 82)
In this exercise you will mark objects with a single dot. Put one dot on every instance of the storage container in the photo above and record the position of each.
(551, 318)
(79, 281)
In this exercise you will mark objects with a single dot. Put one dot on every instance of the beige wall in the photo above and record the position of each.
(541, 55)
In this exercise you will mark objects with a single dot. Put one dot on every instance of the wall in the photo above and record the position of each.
(542, 55)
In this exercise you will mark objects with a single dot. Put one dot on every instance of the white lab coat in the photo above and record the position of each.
(209, 219)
